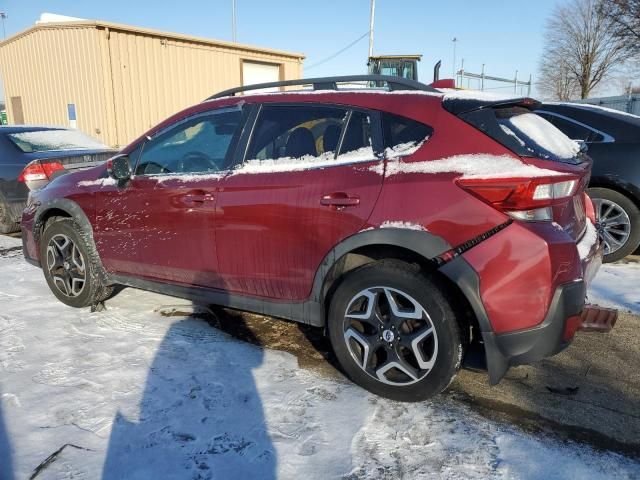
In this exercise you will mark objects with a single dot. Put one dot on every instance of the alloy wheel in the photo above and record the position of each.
(66, 265)
(613, 224)
(390, 336)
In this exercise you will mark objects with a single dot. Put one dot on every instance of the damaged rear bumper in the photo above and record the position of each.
(567, 313)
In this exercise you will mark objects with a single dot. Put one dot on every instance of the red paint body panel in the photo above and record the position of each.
(153, 229)
(520, 269)
(272, 231)
(265, 234)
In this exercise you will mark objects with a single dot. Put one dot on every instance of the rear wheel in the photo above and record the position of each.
(7, 225)
(617, 222)
(394, 332)
(70, 265)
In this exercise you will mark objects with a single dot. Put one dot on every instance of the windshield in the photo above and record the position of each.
(536, 135)
(54, 140)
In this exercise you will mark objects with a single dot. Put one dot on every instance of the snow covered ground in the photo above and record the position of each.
(617, 285)
(134, 392)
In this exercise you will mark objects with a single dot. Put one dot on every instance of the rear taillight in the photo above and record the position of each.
(37, 170)
(523, 199)
(588, 208)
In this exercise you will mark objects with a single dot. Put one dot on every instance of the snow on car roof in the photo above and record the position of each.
(453, 94)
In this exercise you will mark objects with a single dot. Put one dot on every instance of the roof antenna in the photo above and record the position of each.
(436, 71)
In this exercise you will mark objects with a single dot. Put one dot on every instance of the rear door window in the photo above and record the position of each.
(403, 136)
(307, 135)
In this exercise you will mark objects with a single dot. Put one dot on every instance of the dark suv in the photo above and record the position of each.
(415, 226)
(613, 139)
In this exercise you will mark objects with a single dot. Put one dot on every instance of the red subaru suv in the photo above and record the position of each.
(419, 227)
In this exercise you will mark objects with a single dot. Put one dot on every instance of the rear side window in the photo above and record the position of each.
(402, 136)
(284, 133)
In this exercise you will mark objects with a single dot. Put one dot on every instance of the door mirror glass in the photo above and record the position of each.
(119, 167)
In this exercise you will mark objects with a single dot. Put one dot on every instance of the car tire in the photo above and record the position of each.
(6, 224)
(71, 264)
(612, 204)
(394, 331)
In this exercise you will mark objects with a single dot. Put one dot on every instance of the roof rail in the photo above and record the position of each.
(331, 83)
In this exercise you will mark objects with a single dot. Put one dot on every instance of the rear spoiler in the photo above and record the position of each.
(461, 104)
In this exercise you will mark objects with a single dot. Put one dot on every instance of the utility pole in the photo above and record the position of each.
(455, 42)
(233, 21)
(371, 20)
(3, 16)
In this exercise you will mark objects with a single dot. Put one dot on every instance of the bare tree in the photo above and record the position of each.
(581, 49)
(624, 16)
(557, 82)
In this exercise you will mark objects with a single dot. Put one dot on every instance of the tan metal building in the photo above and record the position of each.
(115, 81)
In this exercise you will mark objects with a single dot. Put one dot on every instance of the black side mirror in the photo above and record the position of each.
(119, 168)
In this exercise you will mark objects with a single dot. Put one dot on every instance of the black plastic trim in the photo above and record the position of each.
(66, 205)
(330, 83)
(312, 310)
(465, 277)
(525, 346)
(424, 244)
(304, 312)
(72, 209)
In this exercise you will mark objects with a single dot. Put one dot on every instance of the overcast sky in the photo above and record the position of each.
(505, 35)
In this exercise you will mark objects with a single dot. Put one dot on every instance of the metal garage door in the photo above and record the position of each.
(256, 72)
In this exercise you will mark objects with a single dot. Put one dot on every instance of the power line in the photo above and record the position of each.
(331, 57)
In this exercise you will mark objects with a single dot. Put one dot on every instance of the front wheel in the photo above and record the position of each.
(70, 265)
(394, 331)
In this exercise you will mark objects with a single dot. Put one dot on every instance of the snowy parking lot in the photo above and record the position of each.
(150, 388)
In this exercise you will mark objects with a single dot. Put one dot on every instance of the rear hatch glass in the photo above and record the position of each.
(537, 136)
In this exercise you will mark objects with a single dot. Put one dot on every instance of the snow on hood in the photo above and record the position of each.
(470, 166)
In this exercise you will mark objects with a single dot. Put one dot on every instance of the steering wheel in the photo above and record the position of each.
(197, 162)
